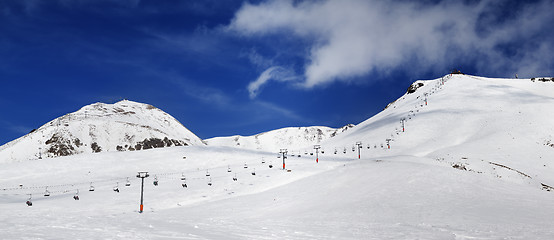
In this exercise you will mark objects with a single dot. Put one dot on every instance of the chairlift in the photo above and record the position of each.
(128, 183)
(183, 178)
(46, 192)
(228, 168)
(207, 173)
(254, 172)
(115, 189)
(155, 180)
(270, 165)
(210, 182)
(311, 153)
(322, 152)
(91, 189)
(184, 185)
(76, 196)
(235, 178)
(344, 151)
(263, 160)
(245, 166)
(29, 202)
(335, 151)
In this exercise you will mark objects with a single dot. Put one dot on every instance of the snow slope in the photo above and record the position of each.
(469, 165)
(479, 123)
(291, 137)
(123, 126)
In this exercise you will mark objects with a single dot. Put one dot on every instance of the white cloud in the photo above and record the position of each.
(276, 73)
(354, 38)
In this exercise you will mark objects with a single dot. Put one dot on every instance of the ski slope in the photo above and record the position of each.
(470, 164)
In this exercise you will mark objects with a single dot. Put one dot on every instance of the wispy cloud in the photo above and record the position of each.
(275, 73)
(353, 38)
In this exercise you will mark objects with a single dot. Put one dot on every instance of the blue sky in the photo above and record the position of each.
(245, 67)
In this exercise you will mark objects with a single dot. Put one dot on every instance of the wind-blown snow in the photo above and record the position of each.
(476, 162)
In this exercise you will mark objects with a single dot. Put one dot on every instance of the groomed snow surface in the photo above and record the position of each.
(472, 163)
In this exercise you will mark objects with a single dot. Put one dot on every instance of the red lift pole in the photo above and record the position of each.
(359, 144)
(317, 147)
(142, 175)
(284, 153)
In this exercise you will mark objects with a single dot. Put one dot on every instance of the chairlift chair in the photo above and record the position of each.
(46, 192)
(235, 178)
(245, 166)
(76, 196)
(228, 168)
(29, 202)
(183, 178)
(207, 173)
(91, 189)
(115, 189)
(155, 180)
(263, 160)
(254, 172)
(210, 182)
(128, 183)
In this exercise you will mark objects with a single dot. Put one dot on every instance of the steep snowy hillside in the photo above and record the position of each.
(99, 127)
(291, 137)
(500, 127)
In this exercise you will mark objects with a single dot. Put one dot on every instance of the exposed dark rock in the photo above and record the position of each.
(150, 143)
(95, 147)
(414, 87)
(60, 146)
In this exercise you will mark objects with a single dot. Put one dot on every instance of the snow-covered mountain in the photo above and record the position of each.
(474, 123)
(99, 127)
(272, 141)
(469, 158)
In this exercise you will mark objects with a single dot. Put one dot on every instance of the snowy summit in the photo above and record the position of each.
(100, 127)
